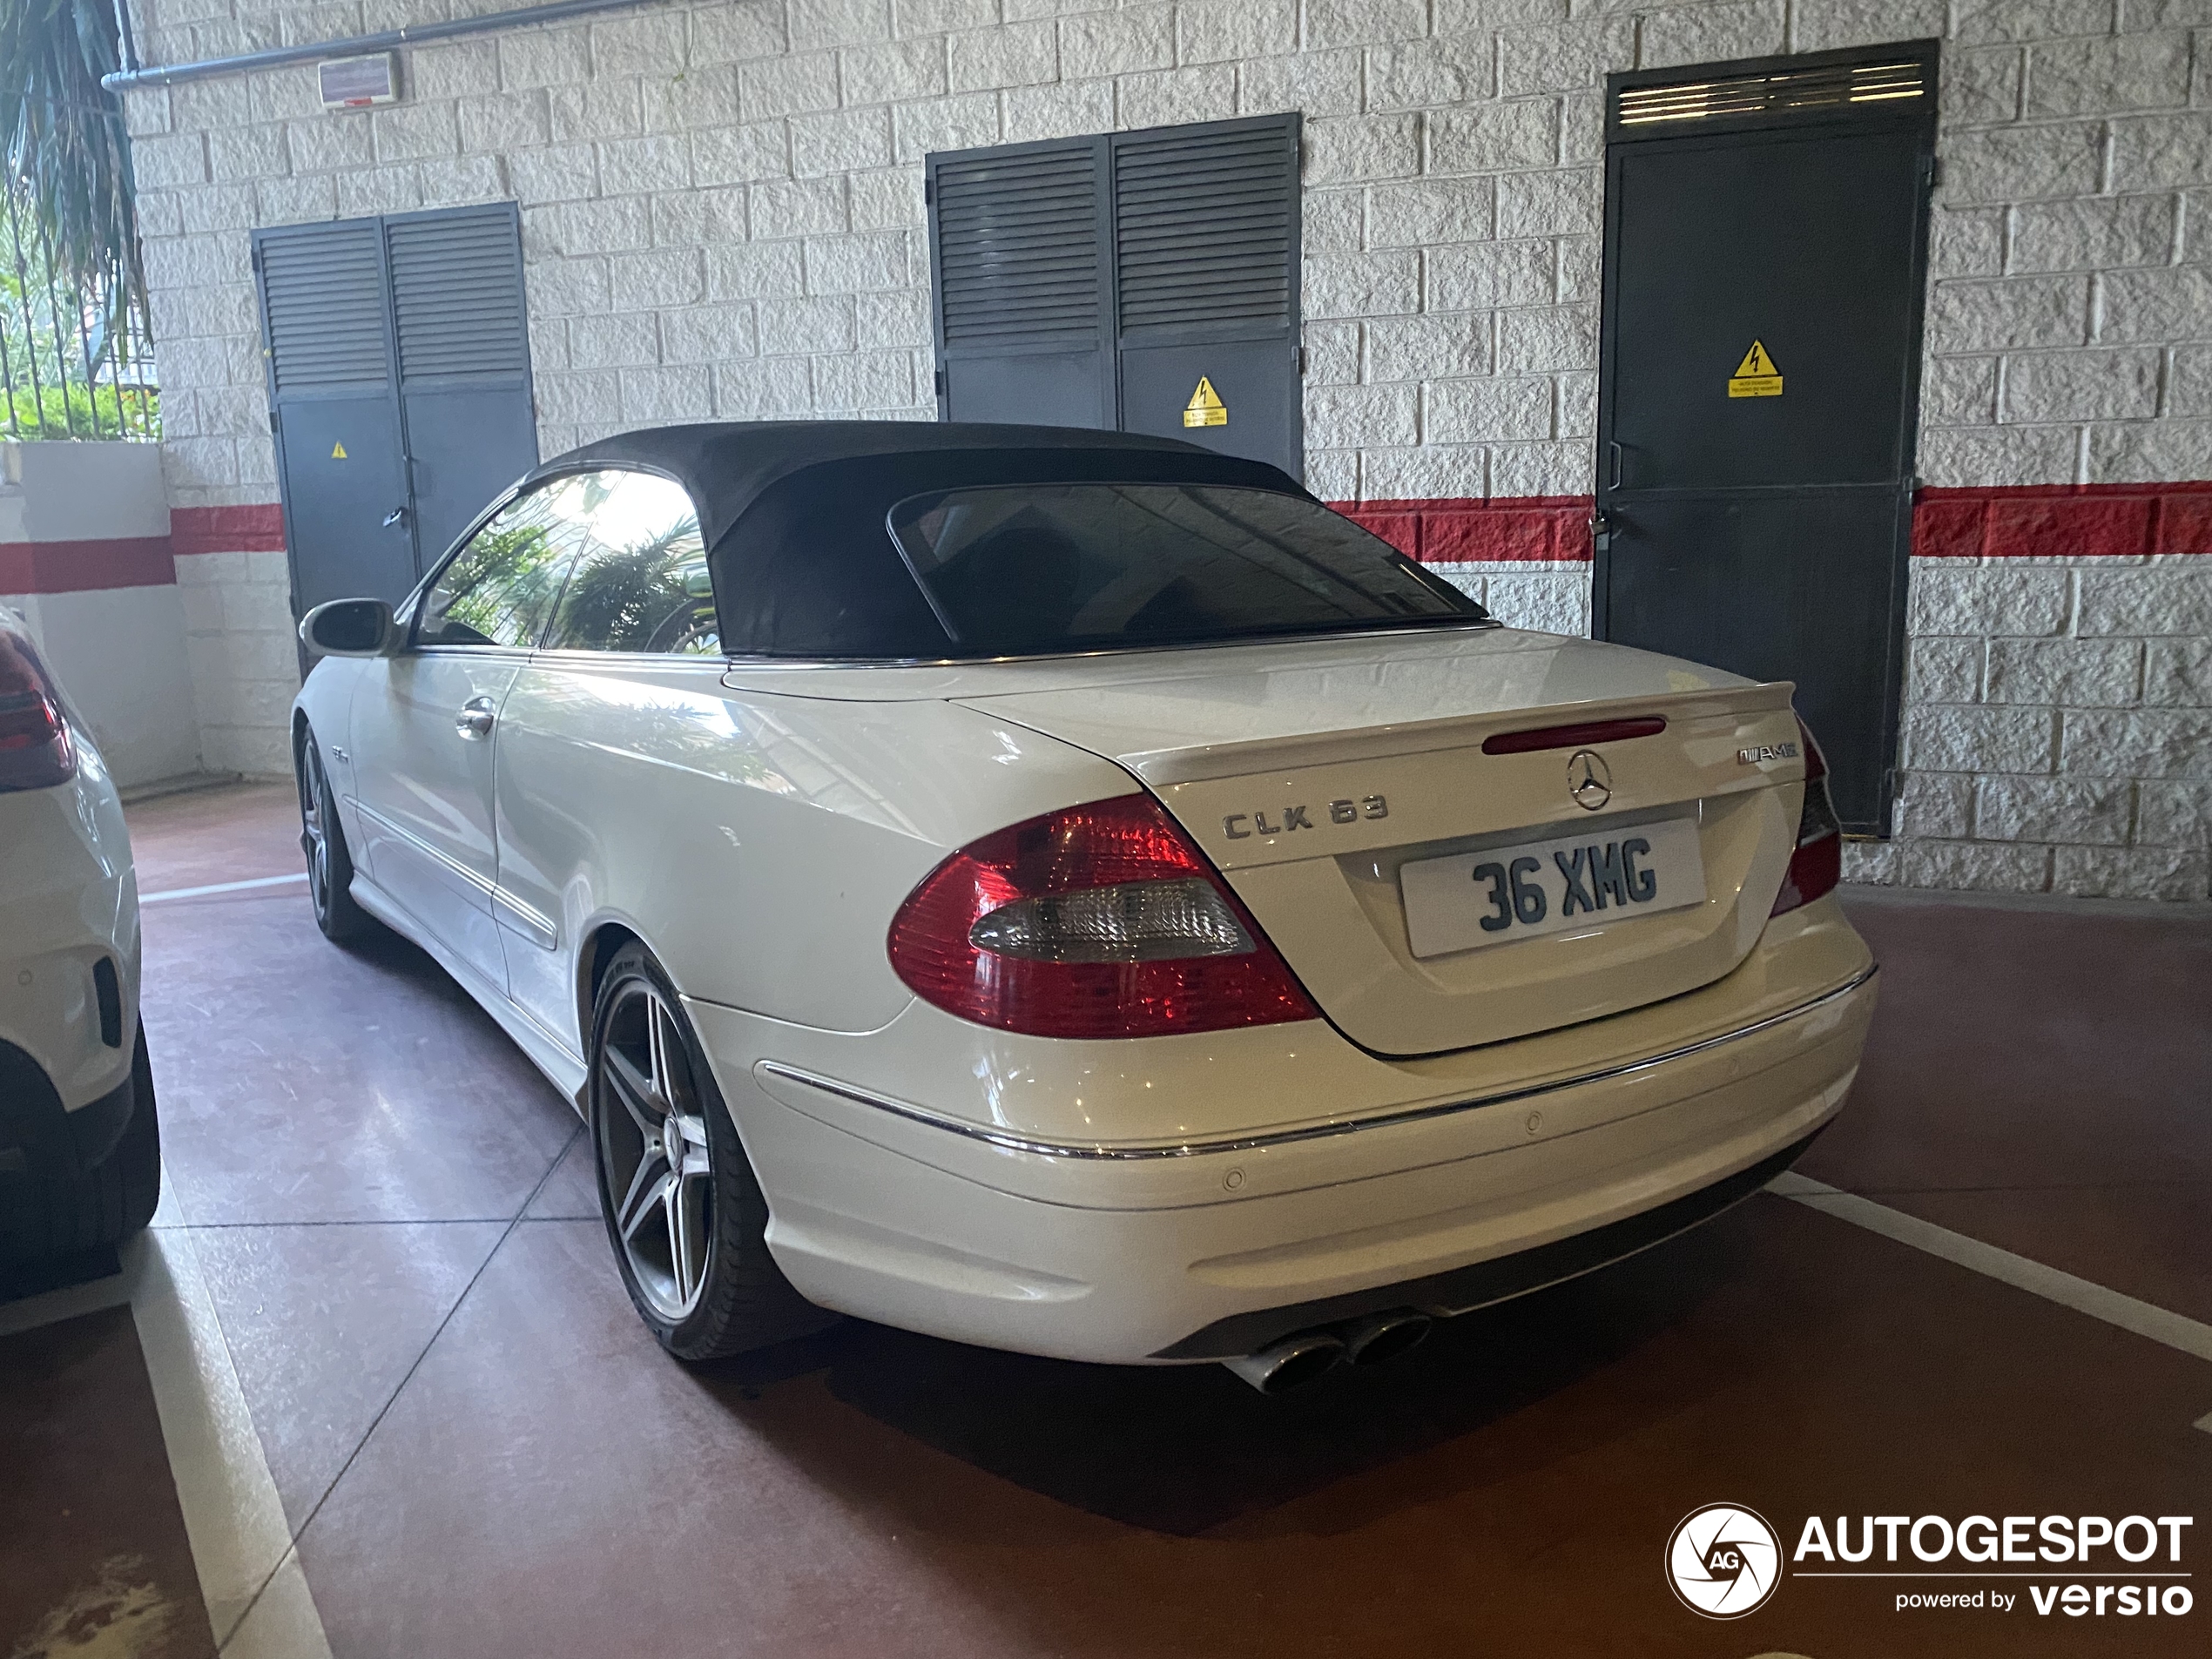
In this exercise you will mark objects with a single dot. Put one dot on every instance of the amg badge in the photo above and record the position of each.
(1759, 753)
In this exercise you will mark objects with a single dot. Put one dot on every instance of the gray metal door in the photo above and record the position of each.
(399, 389)
(463, 359)
(1018, 279)
(326, 334)
(1205, 286)
(1764, 259)
(1145, 281)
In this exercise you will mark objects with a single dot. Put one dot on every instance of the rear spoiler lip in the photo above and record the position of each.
(1163, 768)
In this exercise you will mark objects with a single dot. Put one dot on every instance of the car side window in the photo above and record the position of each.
(498, 589)
(641, 582)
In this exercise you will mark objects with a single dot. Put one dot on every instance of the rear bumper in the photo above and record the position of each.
(69, 936)
(1462, 1289)
(1208, 1252)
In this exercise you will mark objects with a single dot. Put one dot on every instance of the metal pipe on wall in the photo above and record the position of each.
(413, 35)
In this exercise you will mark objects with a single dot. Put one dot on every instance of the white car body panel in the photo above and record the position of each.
(68, 896)
(758, 825)
(428, 837)
(760, 841)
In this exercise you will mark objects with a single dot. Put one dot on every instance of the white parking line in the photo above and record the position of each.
(240, 1541)
(221, 886)
(2174, 1330)
(258, 1600)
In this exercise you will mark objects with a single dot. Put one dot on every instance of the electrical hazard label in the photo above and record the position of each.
(1205, 407)
(337, 452)
(1756, 376)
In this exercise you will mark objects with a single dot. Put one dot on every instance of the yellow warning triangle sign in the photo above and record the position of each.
(1756, 376)
(1205, 407)
(337, 452)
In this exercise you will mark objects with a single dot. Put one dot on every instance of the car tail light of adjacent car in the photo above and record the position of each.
(1100, 921)
(35, 749)
(1818, 863)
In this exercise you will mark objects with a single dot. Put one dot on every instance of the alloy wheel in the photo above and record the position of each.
(653, 1152)
(314, 831)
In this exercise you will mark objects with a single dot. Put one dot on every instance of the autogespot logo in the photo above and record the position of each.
(1723, 1561)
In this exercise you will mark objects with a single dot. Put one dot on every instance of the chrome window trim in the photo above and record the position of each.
(1098, 1150)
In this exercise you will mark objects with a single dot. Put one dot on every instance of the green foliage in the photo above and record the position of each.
(47, 335)
(500, 588)
(76, 411)
(63, 138)
(653, 598)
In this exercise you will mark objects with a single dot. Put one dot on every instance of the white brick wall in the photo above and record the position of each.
(244, 657)
(732, 193)
(2058, 736)
(722, 217)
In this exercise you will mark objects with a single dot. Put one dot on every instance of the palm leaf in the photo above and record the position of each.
(67, 155)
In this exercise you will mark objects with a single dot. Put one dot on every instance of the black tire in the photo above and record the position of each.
(735, 1299)
(322, 838)
(54, 1204)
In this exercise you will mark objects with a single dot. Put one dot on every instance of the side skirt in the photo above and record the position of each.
(565, 1071)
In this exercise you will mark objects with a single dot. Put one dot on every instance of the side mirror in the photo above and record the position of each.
(350, 628)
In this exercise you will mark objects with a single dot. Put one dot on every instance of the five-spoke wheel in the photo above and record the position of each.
(655, 1151)
(330, 867)
(684, 1208)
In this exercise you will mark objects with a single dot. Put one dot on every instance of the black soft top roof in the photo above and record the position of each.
(729, 467)
(793, 513)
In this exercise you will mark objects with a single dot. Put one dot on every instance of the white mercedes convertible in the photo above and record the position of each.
(1076, 894)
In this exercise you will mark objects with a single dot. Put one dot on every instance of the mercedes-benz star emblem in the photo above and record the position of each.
(1589, 779)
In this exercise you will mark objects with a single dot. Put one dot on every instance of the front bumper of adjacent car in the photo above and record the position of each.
(910, 1181)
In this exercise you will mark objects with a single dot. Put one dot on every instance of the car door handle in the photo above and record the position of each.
(397, 516)
(474, 721)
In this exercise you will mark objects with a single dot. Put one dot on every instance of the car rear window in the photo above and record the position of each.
(1034, 569)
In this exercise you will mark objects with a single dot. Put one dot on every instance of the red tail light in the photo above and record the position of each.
(35, 749)
(1817, 864)
(1102, 920)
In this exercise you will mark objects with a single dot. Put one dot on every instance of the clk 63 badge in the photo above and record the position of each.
(1759, 753)
(1299, 818)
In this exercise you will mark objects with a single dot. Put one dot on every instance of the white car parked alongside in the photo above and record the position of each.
(1076, 894)
(80, 1150)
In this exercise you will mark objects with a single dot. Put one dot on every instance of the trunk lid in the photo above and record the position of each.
(1313, 778)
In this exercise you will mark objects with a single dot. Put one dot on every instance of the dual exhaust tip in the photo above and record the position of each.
(1283, 1365)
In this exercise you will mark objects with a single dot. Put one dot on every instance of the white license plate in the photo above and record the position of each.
(1541, 888)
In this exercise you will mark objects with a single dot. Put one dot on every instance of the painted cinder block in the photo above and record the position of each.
(709, 182)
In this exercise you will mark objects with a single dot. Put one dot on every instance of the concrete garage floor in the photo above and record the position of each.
(379, 1224)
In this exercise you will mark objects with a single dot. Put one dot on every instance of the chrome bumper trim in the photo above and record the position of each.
(1012, 1142)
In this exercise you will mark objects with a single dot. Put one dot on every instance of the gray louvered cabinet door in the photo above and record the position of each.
(462, 348)
(334, 410)
(1206, 286)
(1020, 279)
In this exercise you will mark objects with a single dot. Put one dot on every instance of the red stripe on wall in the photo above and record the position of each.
(256, 529)
(2063, 520)
(1480, 532)
(2029, 521)
(86, 567)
